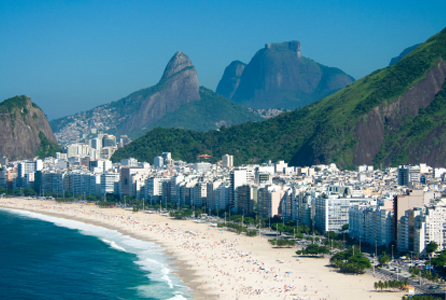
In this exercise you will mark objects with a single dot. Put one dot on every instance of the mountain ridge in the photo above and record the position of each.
(134, 114)
(338, 128)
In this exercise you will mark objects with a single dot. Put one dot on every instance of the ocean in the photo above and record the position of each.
(45, 257)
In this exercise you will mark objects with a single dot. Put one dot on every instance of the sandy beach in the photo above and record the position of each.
(219, 264)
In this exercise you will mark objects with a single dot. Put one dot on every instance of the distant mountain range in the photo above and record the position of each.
(176, 101)
(395, 115)
(278, 76)
(24, 130)
(403, 54)
(277, 79)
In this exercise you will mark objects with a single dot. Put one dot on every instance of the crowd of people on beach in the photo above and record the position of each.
(223, 269)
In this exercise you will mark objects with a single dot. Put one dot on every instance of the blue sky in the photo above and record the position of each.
(70, 56)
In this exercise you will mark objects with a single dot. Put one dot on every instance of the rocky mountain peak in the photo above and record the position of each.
(294, 46)
(24, 129)
(231, 79)
(279, 77)
(177, 63)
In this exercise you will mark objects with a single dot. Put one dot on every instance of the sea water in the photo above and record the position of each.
(45, 257)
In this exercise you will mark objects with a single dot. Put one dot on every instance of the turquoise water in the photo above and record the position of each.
(44, 257)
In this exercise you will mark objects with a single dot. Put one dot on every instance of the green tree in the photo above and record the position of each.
(384, 259)
(431, 248)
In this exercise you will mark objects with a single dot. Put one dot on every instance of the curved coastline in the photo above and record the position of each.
(218, 264)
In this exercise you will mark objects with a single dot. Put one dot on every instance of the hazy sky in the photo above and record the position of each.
(70, 56)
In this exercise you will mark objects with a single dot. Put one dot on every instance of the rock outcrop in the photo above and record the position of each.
(178, 85)
(21, 125)
(371, 129)
(278, 76)
(231, 79)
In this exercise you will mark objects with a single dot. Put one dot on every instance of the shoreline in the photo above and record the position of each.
(178, 265)
(219, 264)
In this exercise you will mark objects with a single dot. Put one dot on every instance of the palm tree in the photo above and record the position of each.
(386, 284)
(380, 285)
(376, 285)
(391, 284)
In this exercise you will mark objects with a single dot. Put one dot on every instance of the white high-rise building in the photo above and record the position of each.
(222, 195)
(373, 224)
(154, 187)
(108, 181)
(228, 161)
(420, 226)
(331, 213)
(158, 162)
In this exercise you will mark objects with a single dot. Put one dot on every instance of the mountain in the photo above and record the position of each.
(178, 85)
(393, 116)
(213, 110)
(278, 76)
(403, 54)
(142, 110)
(231, 79)
(24, 130)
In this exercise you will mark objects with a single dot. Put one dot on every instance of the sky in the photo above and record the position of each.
(71, 56)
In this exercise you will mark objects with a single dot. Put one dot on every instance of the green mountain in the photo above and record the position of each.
(406, 51)
(24, 130)
(393, 116)
(212, 111)
(278, 76)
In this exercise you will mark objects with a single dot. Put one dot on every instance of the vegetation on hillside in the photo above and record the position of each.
(211, 112)
(318, 133)
(47, 147)
(17, 102)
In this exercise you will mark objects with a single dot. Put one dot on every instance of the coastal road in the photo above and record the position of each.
(419, 288)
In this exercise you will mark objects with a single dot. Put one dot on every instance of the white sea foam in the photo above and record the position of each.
(114, 245)
(177, 297)
(151, 257)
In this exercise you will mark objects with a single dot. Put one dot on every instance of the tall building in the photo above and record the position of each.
(198, 194)
(222, 195)
(108, 181)
(268, 201)
(401, 203)
(421, 226)
(158, 162)
(131, 181)
(228, 161)
(236, 178)
(108, 140)
(154, 188)
(23, 169)
(246, 199)
(167, 158)
(408, 175)
(286, 205)
(372, 223)
(331, 213)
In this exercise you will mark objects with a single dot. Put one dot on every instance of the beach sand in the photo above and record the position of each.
(219, 264)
